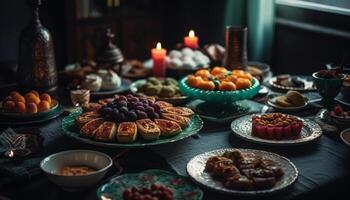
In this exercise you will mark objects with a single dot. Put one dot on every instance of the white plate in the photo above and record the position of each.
(242, 128)
(345, 136)
(196, 166)
(272, 102)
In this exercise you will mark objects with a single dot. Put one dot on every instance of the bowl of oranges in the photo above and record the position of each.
(28, 105)
(220, 85)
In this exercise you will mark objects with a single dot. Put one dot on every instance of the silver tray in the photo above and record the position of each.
(195, 168)
(242, 127)
(308, 85)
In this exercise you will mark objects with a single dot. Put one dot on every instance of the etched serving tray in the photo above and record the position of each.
(196, 166)
(242, 127)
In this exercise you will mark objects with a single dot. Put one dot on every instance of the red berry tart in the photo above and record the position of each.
(276, 126)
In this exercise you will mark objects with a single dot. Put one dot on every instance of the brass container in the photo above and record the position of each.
(36, 57)
(236, 48)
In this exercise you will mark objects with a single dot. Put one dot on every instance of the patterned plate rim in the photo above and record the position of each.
(125, 145)
(188, 180)
(313, 126)
(274, 78)
(239, 192)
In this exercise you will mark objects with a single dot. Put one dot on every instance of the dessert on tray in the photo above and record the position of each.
(124, 118)
(291, 99)
(289, 82)
(162, 88)
(186, 58)
(247, 171)
(154, 192)
(276, 126)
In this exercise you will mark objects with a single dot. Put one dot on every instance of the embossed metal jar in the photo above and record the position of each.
(36, 57)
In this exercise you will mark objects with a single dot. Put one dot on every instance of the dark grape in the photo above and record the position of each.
(122, 97)
(141, 108)
(156, 116)
(139, 103)
(149, 109)
(123, 117)
(122, 103)
(141, 114)
(156, 108)
(133, 105)
(123, 109)
(117, 116)
(129, 96)
(133, 99)
(132, 116)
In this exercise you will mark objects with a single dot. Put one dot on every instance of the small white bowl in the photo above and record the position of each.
(345, 136)
(55, 162)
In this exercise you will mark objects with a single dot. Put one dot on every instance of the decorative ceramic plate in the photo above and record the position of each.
(181, 187)
(123, 88)
(32, 120)
(272, 102)
(309, 86)
(217, 96)
(195, 168)
(345, 136)
(174, 100)
(242, 127)
(71, 130)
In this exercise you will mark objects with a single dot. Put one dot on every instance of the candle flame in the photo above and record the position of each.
(191, 33)
(11, 154)
(159, 46)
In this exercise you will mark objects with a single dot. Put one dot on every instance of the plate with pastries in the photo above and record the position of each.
(131, 121)
(18, 108)
(287, 82)
(242, 172)
(291, 101)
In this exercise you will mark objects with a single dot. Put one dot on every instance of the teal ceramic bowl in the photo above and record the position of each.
(219, 96)
(97, 160)
(328, 88)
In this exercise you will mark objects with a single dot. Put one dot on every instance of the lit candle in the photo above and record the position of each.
(158, 56)
(191, 41)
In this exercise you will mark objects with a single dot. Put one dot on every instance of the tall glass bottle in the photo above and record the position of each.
(36, 57)
(236, 48)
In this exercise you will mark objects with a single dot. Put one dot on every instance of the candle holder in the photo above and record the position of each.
(236, 48)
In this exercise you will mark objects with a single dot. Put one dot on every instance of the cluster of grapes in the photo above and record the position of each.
(130, 108)
(154, 192)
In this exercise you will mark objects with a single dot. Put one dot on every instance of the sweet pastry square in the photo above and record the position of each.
(167, 127)
(148, 129)
(106, 131)
(127, 132)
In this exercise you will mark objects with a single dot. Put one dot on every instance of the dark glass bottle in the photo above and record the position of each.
(236, 48)
(36, 57)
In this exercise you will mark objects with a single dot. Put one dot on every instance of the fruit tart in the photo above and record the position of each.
(148, 129)
(186, 112)
(85, 118)
(181, 120)
(89, 128)
(167, 127)
(127, 132)
(106, 131)
(276, 126)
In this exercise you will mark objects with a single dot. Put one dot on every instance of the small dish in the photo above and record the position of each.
(123, 88)
(96, 160)
(272, 102)
(345, 136)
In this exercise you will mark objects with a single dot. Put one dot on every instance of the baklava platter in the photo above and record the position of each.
(131, 121)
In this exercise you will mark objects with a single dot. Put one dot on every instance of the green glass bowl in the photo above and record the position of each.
(219, 96)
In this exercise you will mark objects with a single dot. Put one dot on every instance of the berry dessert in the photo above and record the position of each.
(247, 171)
(155, 192)
(124, 118)
(276, 126)
(339, 112)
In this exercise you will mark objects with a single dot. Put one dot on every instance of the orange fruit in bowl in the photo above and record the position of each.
(227, 86)
(36, 93)
(245, 75)
(206, 85)
(14, 93)
(9, 106)
(33, 99)
(20, 107)
(43, 106)
(232, 78)
(237, 71)
(203, 73)
(29, 95)
(19, 98)
(32, 108)
(243, 83)
(218, 70)
(194, 81)
(46, 97)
